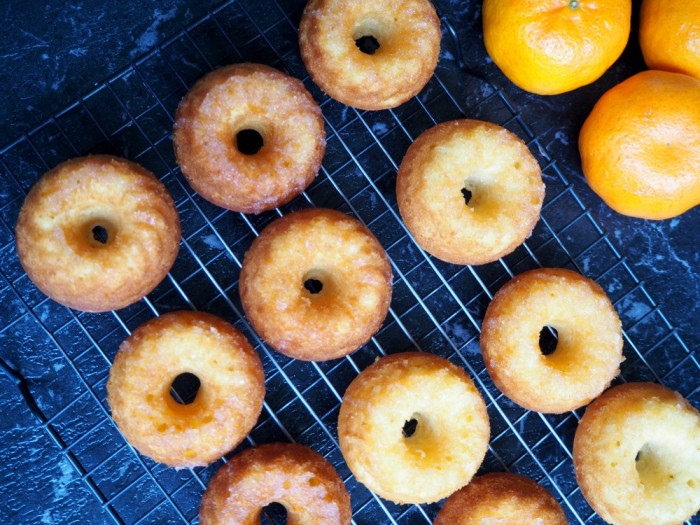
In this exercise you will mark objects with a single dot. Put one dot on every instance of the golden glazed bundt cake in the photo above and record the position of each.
(588, 350)
(226, 406)
(370, 54)
(97, 233)
(248, 137)
(469, 191)
(501, 498)
(413, 428)
(637, 456)
(293, 475)
(316, 284)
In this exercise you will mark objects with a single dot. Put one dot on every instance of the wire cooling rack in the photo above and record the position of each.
(436, 307)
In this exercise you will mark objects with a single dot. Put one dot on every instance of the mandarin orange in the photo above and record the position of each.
(669, 33)
(640, 146)
(553, 46)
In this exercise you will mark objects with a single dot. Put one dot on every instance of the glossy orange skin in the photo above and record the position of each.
(640, 146)
(669, 34)
(553, 46)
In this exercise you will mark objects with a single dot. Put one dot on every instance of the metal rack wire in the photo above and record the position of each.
(436, 307)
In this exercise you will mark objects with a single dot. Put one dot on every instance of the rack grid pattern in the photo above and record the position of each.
(436, 307)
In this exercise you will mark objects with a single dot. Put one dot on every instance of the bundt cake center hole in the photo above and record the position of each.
(548, 340)
(249, 141)
(409, 427)
(275, 513)
(662, 467)
(184, 388)
(467, 196)
(100, 234)
(313, 286)
(367, 44)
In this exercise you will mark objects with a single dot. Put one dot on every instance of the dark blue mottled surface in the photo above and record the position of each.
(53, 52)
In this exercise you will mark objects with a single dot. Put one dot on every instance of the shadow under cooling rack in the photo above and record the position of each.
(436, 307)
